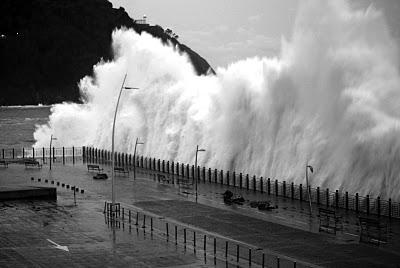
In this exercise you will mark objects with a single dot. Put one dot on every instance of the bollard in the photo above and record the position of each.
(52, 182)
(240, 180)
(176, 235)
(237, 253)
(23, 152)
(67, 186)
(209, 175)
(263, 261)
(347, 201)
(32, 178)
(226, 249)
(222, 176)
(390, 208)
(261, 185)
(269, 186)
(216, 175)
(247, 182)
(151, 224)
(184, 236)
(82, 191)
(129, 217)
(277, 262)
(294, 264)
(249, 256)
(227, 178)
(276, 187)
(234, 178)
(254, 183)
(144, 221)
(194, 240)
(39, 179)
(205, 241)
(46, 180)
(367, 204)
(167, 229)
(318, 196)
(63, 184)
(215, 247)
(137, 219)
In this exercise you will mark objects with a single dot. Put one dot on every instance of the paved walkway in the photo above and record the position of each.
(287, 231)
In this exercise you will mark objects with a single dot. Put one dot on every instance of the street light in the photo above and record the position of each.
(51, 139)
(134, 157)
(112, 145)
(308, 188)
(195, 166)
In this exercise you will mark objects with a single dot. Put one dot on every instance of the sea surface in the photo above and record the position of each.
(17, 124)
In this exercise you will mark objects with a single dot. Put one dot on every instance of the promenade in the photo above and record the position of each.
(286, 235)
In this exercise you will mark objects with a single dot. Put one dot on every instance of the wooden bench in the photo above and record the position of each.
(94, 168)
(121, 170)
(32, 164)
(3, 163)
(329, 221)
(372, 231)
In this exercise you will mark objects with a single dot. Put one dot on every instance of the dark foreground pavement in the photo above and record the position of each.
(288, 232)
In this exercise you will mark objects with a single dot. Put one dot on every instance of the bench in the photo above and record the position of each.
(328, 220)
(163, 178)
(372, 231)
(94, 168)
(3, 163)
(32, 164)
(121, 170)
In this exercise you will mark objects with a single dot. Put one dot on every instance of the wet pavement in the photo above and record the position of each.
(288, 232)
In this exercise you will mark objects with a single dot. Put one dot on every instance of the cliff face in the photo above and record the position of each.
(46, 46)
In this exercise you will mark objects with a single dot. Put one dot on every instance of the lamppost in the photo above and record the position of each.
(51, 140)
(195, 167)
(134, 157)
(308, 187)
(112, 145)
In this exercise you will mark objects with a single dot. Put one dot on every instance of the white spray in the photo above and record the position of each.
(330, 99)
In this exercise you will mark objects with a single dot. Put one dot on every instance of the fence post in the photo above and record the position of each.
(222, 176)
(216, 175)
(378, 201)
(284, 189)
(327, 197)
(23, 152)
(367, 204)
(240, 180)
(209, 175)
(269, 186)
(276, 187)
(254, 183)
(13, 153)
(247, 182)
(261, 185)
(357, 206)
(2, 152)
(347, 200)
(227, 178)
(234, 178)
(301, 192)
(337, 198)
(390, 208)
(292, 190)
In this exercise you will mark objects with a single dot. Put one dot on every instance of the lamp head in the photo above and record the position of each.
(201, 150)
(130, 87)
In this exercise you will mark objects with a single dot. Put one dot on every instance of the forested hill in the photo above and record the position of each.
(47, 46)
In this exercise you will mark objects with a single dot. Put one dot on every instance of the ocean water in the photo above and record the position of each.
(18, 123)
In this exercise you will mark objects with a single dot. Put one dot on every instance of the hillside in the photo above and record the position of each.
(46, 46)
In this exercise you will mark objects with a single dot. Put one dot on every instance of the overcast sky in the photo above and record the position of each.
(223, 31)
